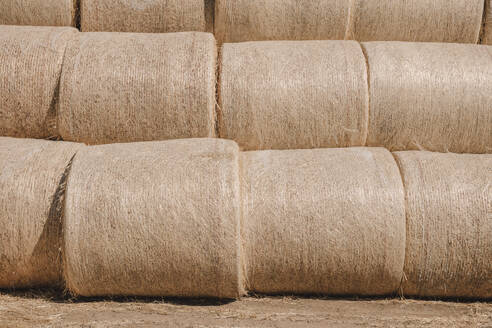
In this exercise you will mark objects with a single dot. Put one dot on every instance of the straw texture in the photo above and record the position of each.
(38, 12)
(32, 181)
(154, 219)
(124, 87)
(430, 96)
(449, 224)
(328, 221)
(251, 20)
(293, 94)
(149, 16)
(487, 32)
(30, 66)
(416, 20)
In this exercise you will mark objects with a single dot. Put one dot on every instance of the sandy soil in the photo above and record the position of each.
(46, 309)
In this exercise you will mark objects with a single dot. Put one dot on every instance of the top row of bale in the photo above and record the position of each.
(110, 87)
(454, 21)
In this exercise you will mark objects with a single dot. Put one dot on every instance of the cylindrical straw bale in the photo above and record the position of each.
(430, 96)
(416, 20)
(259, 20)
(125, 87)
(449, 224)
(38, 12)
(30, 66)
(293, 94)
(148, 16)
(323, 221)
(487, 28)
(32, 181)
(154, 219)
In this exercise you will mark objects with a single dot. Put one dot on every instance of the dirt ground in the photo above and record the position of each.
(47, 309)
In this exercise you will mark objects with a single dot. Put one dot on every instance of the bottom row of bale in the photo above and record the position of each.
(199, 218)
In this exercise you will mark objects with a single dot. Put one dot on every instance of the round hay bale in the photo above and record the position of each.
(430, 96)
(149, 16)
(124, 87)
(416, 20)
(259, 20)
(154, 219)
(487, 28)
(323, 221)
(38, 12)
(365, 20)
(32, 179)
(293, 94)
(449, 224)
(30, 66)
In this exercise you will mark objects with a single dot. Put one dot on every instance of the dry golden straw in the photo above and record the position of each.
(323, 221)
(449, 224)
(364, 20)
(150, 16)
(154, 219)
(288, 94)
(30, 66)
(124, 87)
(250, 20)
(32, 180)
(416, 20)
(430, 96)
(38, 12)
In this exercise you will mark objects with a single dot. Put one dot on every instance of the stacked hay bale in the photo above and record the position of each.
(251, 20)
(430, 96)
(30, 67)
(323, 221)
(125, 87)
(364, 20)
(197, 218)
(154, 219)
(150, 16)
(449, 224)
(38, 12)
(33, 174)
(282, 95)
(416, 20)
